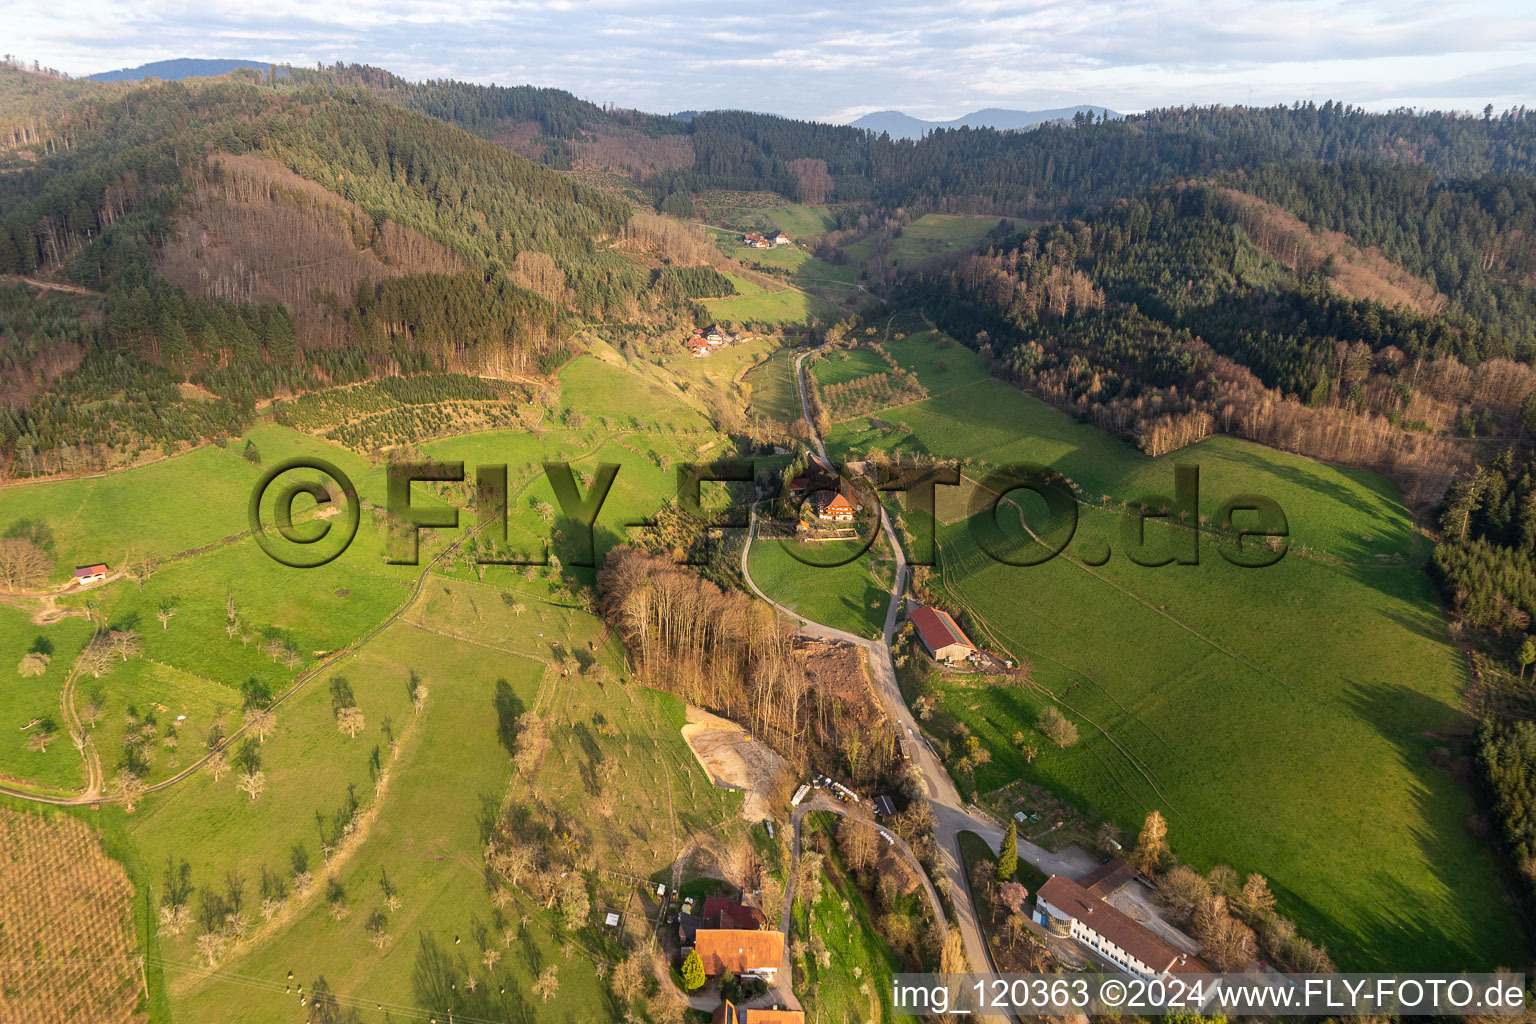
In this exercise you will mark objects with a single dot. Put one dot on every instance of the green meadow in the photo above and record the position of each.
(933, 234)
(787, 306)
(845, 365)
(26, 699)
(851, 596)
(1288, 720)
(775, 395)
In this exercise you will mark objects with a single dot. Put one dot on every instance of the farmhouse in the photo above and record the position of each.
(754, 953)
(756, 240)
(940, 635)
(778, 238)
(720, 912)
(1067, 908)
(837, 509)
(90, 574)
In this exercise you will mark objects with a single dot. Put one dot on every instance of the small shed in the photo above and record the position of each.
(86, 574)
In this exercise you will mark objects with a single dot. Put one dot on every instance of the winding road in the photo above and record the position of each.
(952, 815)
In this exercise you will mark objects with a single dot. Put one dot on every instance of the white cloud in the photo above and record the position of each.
(931, 58)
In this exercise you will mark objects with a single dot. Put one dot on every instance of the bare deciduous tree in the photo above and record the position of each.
(253, 783)
(858, 842)
(127, 788)
(350, 721)
(260, 721)
(126, 642)
(22, 563)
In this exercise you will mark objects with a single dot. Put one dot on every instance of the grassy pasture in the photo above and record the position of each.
(844, 365)
(1337, 512)
(775, 395)
(153, 510)
(598, 388)
(751, 212)
(424, 829)
(933, 234)
(25, 698)
(850, 597)
(1270, 741)
(1283, 719)
(426, 838)
(149, 689)
(786, 306)
(939, 366)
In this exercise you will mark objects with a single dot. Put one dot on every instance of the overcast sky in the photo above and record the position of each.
(931, 58)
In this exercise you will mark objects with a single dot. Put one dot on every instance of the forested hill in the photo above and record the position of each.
(1198, 307)
(1051, 170)
(254, 235)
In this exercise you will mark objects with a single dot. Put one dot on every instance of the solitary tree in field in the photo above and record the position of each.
(377, 928)
(42, 735)
(96, 658)
(165, 612)
(127, 788)
(1256, 900)
(1057, 728)
(350, 721)
(260, 721)
(693, 971)
(125, 642)
(253, 784)
(1008, 856)
(1152, 845)
(22, 563)
(210, 947)
(34, 663)
(548, 985)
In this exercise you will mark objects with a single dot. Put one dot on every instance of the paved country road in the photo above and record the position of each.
(952, 816)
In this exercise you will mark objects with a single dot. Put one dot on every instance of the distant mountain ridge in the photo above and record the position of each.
(181, 67)
(904, 126)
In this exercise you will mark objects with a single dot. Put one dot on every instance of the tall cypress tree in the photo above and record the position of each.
(1008, 856)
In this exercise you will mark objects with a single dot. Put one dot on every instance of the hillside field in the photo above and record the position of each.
(933, 234)
(1287, 720)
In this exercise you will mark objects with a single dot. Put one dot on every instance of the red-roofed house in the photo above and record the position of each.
(940, 634)
(721, 912)
(837, 508)
(752, 952)
(90, 574)
(727, 1013)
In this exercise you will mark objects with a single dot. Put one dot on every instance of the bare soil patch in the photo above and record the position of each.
(733, 759)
